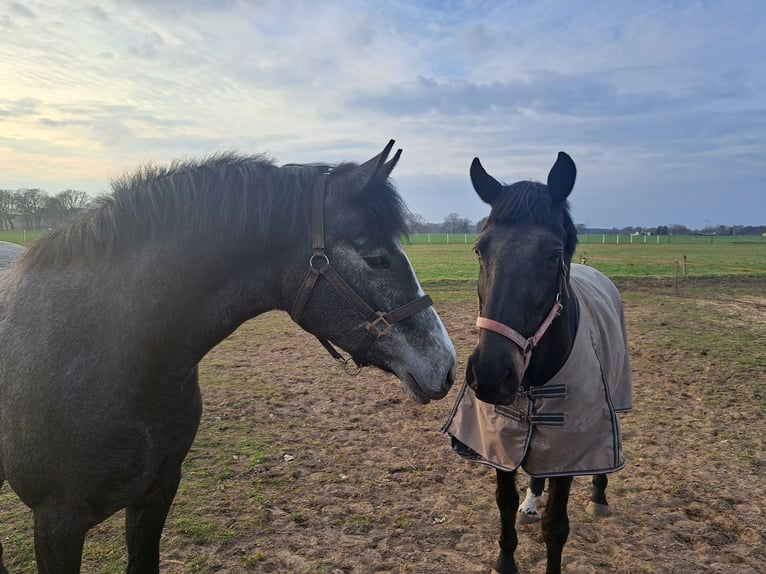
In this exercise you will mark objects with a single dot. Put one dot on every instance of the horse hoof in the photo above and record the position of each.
(504, 565)
(596, 509)
(525, 518)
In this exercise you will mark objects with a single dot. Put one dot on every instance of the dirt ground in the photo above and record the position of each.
(351, 477)
(300, 468)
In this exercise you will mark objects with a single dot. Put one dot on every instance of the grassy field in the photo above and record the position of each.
(604, 239)
(20, 236)
(450, 264)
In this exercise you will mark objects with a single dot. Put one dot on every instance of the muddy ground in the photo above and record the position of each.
(374, 487)
(301, 468)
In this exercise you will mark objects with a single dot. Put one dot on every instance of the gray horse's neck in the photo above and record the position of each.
(162, 307)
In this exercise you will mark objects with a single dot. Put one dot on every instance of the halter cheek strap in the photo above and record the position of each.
(377, 323)
(526, 344)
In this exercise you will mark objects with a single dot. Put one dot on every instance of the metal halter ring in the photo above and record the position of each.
(319, 257)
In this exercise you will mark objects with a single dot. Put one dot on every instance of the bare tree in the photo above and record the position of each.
(73, 200)
(416, 223)
(453, 223)
(53, 212)
(7, 209)
(30, 203)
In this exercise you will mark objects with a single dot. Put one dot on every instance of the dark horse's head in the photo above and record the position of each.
(524, 251)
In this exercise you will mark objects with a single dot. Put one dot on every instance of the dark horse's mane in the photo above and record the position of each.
(528, 202)
(241, 197)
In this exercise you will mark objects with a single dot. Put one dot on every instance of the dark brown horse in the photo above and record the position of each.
(551, 370)
(103, 323)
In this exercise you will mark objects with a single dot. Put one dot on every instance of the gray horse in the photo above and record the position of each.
(103, 323)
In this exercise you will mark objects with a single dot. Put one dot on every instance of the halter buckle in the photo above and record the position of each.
(379, 326)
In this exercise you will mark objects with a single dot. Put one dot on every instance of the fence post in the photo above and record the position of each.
(684, 266)
(676, 276)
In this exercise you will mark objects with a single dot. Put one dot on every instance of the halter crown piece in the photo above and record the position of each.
(377, 323)
(526, 344)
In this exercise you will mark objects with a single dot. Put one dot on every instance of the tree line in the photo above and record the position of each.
(455, 224)
(33, 208)
(452, 224)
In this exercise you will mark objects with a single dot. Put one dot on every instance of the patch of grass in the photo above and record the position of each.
(363, 523)
(254, 558)
(20, 236)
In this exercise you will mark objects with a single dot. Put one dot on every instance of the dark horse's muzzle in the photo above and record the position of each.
(494, 371)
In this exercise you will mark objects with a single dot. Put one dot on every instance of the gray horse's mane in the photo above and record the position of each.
(241, 197)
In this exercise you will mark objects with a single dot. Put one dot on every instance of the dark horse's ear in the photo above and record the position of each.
(486, 186)
(561, 179)
(375, 170)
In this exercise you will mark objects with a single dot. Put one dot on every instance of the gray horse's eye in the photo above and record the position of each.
(378, 261)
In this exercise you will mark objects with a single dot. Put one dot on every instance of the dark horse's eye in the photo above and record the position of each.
(477, 253)
(378, 261)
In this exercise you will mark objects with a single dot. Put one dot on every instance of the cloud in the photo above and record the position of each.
(646, 96)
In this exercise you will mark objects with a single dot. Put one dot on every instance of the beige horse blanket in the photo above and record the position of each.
(568, 426)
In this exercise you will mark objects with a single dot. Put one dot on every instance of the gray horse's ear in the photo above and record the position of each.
(374, 169)
(486, 186)
(561, 178)
(385, 171)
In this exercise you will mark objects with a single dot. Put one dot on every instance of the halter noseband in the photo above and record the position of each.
(378, 323)
(527, 344)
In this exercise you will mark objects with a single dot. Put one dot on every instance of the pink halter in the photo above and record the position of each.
(527, 344)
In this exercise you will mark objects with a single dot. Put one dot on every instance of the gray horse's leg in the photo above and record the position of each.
(598, 505)
(507, 498)
(59, 538)
(145, 520)
(555, 521)
(2, 566)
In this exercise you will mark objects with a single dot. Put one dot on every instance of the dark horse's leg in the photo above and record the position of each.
(528, 512)
(598, 506)
(507, 498)
(555, 521)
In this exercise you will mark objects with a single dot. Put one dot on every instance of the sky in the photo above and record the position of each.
(662, 105)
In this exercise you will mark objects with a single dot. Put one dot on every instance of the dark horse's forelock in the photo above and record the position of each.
(227, 194)
(529, 202)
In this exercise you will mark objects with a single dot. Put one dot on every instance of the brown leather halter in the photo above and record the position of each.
(526, 344)
(378, 323)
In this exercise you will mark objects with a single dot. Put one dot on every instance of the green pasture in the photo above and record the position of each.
(451, 269)
(604, 239)
(20, 236)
